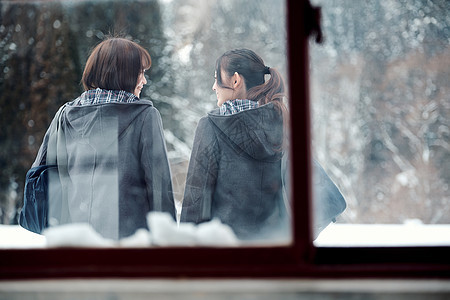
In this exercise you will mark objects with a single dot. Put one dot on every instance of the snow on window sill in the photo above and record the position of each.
(384, 235)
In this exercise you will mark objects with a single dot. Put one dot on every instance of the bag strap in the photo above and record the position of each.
(61, 149)
(53, 137)
(57, 155)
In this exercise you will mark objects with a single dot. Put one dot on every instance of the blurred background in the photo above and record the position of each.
(381, 108)
(379, 87)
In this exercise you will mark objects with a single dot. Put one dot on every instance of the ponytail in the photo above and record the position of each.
(273, 90)
(270, 91)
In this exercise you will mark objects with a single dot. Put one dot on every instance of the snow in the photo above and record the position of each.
(384, 235)
(75, 234)
(166, 232)
(14, 236)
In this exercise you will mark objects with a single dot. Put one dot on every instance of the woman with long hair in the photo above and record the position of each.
(234, 172)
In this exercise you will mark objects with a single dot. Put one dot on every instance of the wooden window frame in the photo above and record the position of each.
(301, 259)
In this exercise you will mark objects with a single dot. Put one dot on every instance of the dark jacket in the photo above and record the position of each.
(235, 172)
(117, 166)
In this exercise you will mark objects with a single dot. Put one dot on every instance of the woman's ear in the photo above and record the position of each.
(237, 80)
(238, 84)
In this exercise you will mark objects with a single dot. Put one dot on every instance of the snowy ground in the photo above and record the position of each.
(411, 234)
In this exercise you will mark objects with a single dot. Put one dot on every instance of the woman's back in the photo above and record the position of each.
(241, 155)
(235, 168)
(112, 149)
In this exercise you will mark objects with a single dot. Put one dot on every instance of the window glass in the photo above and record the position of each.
(380, 111)
(43, 50)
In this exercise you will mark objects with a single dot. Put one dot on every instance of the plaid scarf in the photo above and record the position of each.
(98, 96)
(231, 107)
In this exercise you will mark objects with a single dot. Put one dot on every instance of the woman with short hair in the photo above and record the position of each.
(113, 164)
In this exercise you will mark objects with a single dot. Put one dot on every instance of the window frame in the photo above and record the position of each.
(301, 259)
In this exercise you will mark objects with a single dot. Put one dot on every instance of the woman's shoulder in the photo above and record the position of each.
(145, 105)
(204, 121)
(215, 111)
(147, 102)
(205, 126)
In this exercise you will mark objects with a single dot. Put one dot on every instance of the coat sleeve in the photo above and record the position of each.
(156, 164)
(202, 175)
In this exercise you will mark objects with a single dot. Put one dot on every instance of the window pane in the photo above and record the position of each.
(380, 111)
(43, 53)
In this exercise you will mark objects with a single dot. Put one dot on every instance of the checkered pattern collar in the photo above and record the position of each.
(99, 96)
(231, 107)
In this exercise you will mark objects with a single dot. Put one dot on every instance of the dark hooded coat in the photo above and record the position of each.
(116, 166)
(235, 173)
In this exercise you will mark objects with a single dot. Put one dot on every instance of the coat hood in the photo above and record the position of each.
(257, 132)
(101, 124)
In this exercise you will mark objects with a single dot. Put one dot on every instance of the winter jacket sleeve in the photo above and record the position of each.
(202, 175)
(156, 165)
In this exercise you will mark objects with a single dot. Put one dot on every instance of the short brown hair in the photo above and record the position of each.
(115, 64)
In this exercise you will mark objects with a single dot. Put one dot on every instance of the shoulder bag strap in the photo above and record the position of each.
(62, 160)
(57, 155)
(52, 138)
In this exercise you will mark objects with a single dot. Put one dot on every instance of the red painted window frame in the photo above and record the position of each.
(301, 259)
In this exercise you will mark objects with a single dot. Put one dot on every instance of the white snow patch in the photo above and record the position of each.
(75, 235)
(184, 54)
(412, 233)
(14, 236)
(164, 232)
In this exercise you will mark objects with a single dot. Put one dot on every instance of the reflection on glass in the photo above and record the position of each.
(380, 119)
(43, 51)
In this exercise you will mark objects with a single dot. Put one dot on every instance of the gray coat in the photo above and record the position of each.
(235, 172)
(115, 166)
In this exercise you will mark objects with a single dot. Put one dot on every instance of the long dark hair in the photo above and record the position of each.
(252, 68)
(115, 64)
